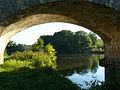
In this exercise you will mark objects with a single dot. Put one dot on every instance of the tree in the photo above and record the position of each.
(47, 39)
(62, 41)
(99, 45)
(93, 37)
(83, 41)
(38, 46)
(12, 47)
(69, 42)
(49, 49)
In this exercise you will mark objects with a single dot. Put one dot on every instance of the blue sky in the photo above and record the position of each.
(30, 35)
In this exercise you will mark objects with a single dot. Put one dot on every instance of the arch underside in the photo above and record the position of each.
(100, 19)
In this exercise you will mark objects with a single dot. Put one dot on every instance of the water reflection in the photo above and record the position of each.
(81, 68)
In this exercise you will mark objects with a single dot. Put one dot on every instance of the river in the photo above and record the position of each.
(81, 69)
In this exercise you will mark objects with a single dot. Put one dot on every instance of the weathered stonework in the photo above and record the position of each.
(23, 14)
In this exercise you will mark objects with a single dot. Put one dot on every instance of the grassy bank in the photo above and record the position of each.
(33, 71)
(34, 79)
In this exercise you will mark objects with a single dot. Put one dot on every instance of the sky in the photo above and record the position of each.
(29, 36)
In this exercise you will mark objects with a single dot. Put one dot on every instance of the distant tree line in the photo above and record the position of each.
(68, 42)
(63, 42)
(12, 47)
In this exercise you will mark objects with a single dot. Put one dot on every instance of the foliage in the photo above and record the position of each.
(33, 70)
(69, 42)
(99, 44)
(12, 64)
(83, 41)
(5, 54)
(12, 47)
(49, 49)
(36, 67)
(37, 59)
(64, 42)
(38, 46)
(93, 38)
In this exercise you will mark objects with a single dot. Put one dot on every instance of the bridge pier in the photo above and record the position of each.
(112, 78)
(3, 43)
(4, 39)
(109, 63)
(112, 51)
(112, 47)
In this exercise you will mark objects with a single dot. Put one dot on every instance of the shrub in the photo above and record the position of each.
(13, 64)
(38, 59)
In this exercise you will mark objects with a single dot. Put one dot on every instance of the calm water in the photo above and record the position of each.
(81, 68)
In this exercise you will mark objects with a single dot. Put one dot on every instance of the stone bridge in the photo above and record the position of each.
(100, 16)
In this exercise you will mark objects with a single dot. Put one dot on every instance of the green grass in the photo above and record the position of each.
(34, 79)
(32, 71)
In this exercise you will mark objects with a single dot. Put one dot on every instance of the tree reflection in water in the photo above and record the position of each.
(82, 64)
(81, 69)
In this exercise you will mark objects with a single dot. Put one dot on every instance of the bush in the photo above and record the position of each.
(13, 64)
(38, 59)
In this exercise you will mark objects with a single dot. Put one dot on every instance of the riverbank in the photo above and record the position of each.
(33, 71)
(34, 79)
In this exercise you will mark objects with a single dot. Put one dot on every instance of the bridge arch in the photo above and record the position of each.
(100, 19)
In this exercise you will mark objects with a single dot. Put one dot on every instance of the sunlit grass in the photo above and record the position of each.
(37, 71)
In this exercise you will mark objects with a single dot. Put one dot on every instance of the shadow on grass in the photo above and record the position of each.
(34, 79)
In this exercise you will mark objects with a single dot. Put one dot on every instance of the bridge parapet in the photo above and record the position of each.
(111, 3)
(9, 7)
